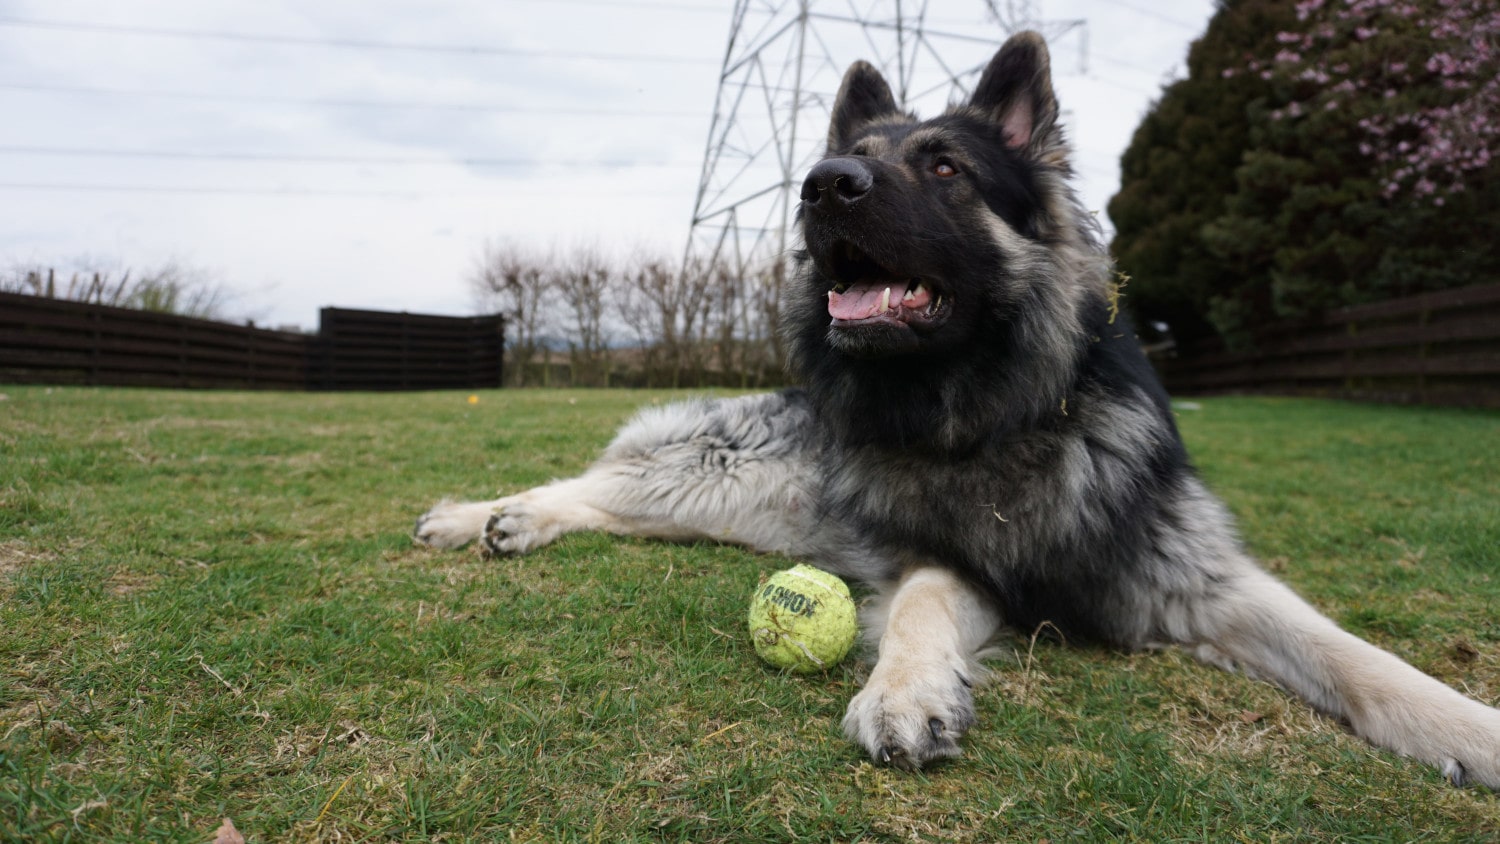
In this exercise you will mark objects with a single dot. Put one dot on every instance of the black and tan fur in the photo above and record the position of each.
(994, 451)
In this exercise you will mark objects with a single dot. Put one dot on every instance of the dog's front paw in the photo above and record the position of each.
(908, 715)
(451, 524)
(515, 527)
(1462, 741)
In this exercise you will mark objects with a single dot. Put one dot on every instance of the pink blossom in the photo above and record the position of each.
(1421, 150)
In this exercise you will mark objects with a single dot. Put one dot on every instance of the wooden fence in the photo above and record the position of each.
(55, 341)
(379, 350)
(1436, 348)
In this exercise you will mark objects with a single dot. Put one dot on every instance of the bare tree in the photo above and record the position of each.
(640, 289)
(695, 324)
(172, 288)
(583, 284)
(664, 308)
(759, 354)
(177, 288)
(520, 286)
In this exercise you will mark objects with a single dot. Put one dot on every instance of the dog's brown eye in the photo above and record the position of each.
(944, 169)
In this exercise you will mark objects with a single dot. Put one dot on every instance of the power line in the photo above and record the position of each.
(342, 43)
(633, 6)
(51, 187)
(286, 158)
(266, 99)
(1152, 13)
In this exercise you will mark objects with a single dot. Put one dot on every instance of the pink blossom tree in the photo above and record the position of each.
(1420, 79)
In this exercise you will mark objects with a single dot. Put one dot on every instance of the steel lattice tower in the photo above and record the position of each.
(782, 68)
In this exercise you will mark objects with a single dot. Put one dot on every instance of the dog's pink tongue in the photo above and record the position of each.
(860, 301)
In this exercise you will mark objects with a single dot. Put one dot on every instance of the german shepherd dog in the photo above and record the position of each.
(979, 439)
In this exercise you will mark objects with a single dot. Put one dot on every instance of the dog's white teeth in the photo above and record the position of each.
(885, 301)
(937, 302)
(908, 296)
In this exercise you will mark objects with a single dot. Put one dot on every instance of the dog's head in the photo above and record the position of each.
(948, 255)
(902, 220)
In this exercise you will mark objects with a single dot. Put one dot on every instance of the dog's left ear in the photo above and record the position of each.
(1016, 92)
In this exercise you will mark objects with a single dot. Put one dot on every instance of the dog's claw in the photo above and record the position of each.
(1456, 773)
(897, 757)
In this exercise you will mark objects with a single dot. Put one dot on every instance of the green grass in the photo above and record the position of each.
(209, 607)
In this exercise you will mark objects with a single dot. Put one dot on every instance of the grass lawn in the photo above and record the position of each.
(210, 607)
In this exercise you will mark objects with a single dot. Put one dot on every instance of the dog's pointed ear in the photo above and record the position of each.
(864, 96)
(1016, 92)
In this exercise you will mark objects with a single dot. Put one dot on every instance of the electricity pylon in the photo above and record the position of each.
(782, 67)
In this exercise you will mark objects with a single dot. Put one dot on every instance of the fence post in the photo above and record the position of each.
(182, 352)
(1352, 331)
(1423, 350)
(94, 351)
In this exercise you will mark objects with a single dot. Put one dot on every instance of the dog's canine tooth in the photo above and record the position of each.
(885, 301)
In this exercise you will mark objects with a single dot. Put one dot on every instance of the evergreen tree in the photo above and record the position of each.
(1180, 169)
(1367, 165)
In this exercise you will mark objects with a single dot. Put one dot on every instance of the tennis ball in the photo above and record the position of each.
(802, 619)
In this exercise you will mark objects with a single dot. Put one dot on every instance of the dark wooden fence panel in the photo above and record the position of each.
(1439, 348)
(55, 341)
(60, 342)
(380, 350)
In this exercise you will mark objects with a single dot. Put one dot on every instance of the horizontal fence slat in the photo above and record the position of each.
(1458, 297)
(1441, 347)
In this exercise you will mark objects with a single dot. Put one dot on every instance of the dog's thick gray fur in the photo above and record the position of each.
(980, 440)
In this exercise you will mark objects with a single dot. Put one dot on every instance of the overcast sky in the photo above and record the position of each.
(359, 153)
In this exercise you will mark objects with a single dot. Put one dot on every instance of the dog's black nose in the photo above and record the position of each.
(836, 183)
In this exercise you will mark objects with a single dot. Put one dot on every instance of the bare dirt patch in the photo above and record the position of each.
(16, 555)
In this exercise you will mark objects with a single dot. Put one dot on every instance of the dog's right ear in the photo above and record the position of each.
(864, 96)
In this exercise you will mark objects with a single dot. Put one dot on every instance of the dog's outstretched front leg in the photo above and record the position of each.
(919, 701)
(453, 524)
(537, 516)
(518, 523)
(733, 470)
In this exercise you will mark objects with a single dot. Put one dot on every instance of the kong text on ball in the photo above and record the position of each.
(802, 619)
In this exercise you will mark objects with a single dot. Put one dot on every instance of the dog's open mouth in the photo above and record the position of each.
(866, 293)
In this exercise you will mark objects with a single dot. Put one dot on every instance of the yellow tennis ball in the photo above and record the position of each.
(802, 619)
(473, 399)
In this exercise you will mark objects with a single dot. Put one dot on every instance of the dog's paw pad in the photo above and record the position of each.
(513, 529)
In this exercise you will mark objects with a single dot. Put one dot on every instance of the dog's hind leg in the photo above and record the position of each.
(918, 701)
(1253, 622)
